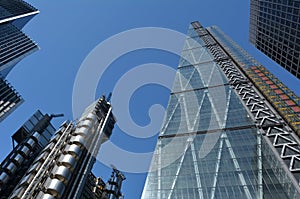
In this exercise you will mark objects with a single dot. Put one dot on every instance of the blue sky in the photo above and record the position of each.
(67, 31)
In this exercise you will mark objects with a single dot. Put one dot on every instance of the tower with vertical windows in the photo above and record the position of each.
(230, 129)
(275, 31)
(14, 46)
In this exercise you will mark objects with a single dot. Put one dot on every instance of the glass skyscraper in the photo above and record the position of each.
(275, 31)
(14, 46)
(230, 128)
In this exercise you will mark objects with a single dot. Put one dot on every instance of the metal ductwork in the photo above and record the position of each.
(54, 187)
(61, 169)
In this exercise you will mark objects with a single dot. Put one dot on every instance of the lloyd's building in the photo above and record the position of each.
(231, 129)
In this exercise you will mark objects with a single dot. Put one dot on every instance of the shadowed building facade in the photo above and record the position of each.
(46, 163)
(275, 31)
(62, 168)
(230, 128)
(30, 139)
(14, 46)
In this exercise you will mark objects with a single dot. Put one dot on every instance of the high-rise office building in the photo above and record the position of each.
(63, 167)
(30, 139)
(230, 128)
(275, 31)
(14, 46)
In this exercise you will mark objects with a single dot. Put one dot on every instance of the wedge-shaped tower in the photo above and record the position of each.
(230, 128)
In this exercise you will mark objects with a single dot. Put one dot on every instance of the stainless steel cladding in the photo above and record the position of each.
(4, 177)
(42, 195)
(42, 157)
(86, 123)
(63, 165)
(24, 151)
(49, 147)
(83, 131)
(10, 168)
(17, 194)
(35, 167)
(67, 160)
(55, 138)
(79, 140)
(36, 136)
(64, 125)
(92, 117)
(62, 173)
(73, 149)
(42, 175)
(30, 143)
(26, 180)
(18, 159)
(54, 187)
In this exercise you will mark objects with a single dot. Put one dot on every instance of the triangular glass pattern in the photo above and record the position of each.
(209, 146)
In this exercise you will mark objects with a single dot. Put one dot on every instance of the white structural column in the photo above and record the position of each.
(212, 196)
(159, 170)
(237, 167)
(93, 148)
(170, 117)
(187, 118)
(227, 108)
(47, 163)
(197, 174)
(220, 148)
(179, 168)
(259, 166)
(182, 96)
(194, 127)
(210, 77)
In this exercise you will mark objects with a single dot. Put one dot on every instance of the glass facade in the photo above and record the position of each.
(213, 142)
(275, 30)
(11, 8)
(9, 99)
(286, 102)
(238, 54)
(14, 46)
